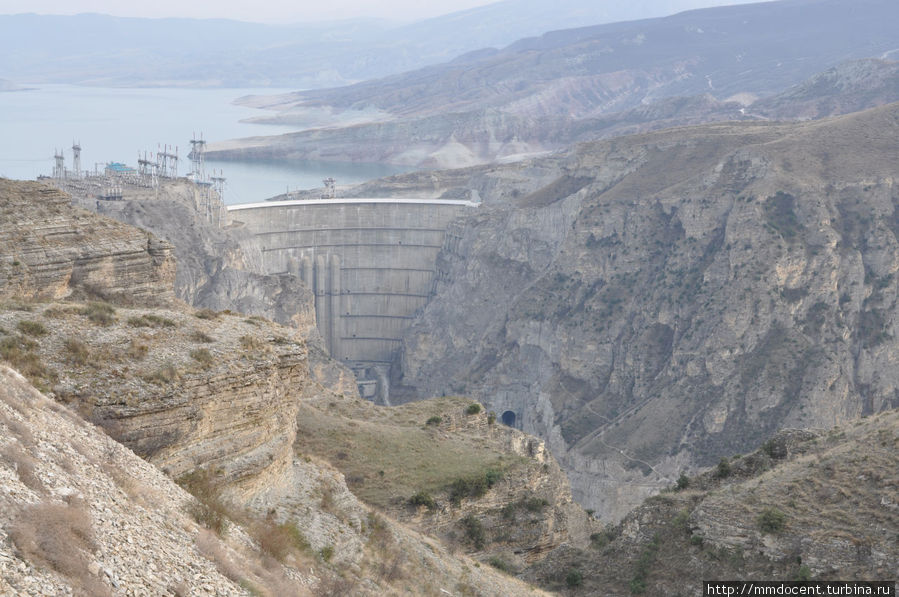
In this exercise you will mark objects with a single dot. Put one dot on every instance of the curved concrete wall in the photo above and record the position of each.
(370, 263)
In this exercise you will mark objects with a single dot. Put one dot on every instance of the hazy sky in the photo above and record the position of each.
(268, 11)
(288, 11)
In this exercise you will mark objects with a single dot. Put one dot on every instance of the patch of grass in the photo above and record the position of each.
(602, 538)
(151, 320)
(166, 374)
(279, 540)
(24, 466)
(473, 409)
(77, 351)
(203, 357)
(99, 313)
(199, 336)
(32, 328)
(248, 342)
(206, 314)
(574, 578)
(473, 487)
(137, 350)
(326, 553)
(393, 453)
(18, 352)
(435, 420)
(209, 510)
(58, 536)
(644, 563)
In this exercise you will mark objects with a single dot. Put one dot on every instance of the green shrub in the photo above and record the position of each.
(534, 504)
(771, 521)
(423, 498)
(473, 409)
(723, 469)
(32, 328)
(99, 313)
(501, 565)
(435, 420)
(602, 538)
(491, 418)
(492, 477)
(682, 482)
(326, 552)
(474, 531)
(574, 578)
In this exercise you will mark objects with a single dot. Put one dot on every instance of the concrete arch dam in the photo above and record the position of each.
(371, 263)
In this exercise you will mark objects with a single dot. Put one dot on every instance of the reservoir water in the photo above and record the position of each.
(115, 125)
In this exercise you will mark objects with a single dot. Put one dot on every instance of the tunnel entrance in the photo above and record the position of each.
(508, 418)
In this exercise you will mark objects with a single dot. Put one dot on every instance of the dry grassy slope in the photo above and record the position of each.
(389, 455)
(809, 504)
(81, 513)
(669, 298)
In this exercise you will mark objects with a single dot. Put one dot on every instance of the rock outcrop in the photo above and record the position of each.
(214, 269)
(52, 251)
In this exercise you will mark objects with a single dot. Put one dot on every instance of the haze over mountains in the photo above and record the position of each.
(547, 92)
(92, 49)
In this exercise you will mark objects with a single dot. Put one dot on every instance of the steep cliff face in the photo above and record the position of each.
(214, 269)
(674, 297)
(52, 251)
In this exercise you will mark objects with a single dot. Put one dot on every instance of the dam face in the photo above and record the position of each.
(371, 264)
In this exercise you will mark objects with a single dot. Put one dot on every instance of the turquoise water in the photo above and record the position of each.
(115, 124)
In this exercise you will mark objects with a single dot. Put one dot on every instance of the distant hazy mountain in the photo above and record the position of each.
(546, 92)
(99, 49)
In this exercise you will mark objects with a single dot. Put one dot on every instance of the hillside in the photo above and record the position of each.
(213, 400)
(651, 303)
(544, 93)
(820, 505)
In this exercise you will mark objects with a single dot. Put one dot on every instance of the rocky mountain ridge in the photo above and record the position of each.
(809, 505)
(650, 303)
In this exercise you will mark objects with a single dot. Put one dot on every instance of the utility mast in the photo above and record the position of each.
(198, 157)
(76, 159)
(59, 170)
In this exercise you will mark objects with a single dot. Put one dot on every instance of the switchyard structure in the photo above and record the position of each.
(117, 177)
